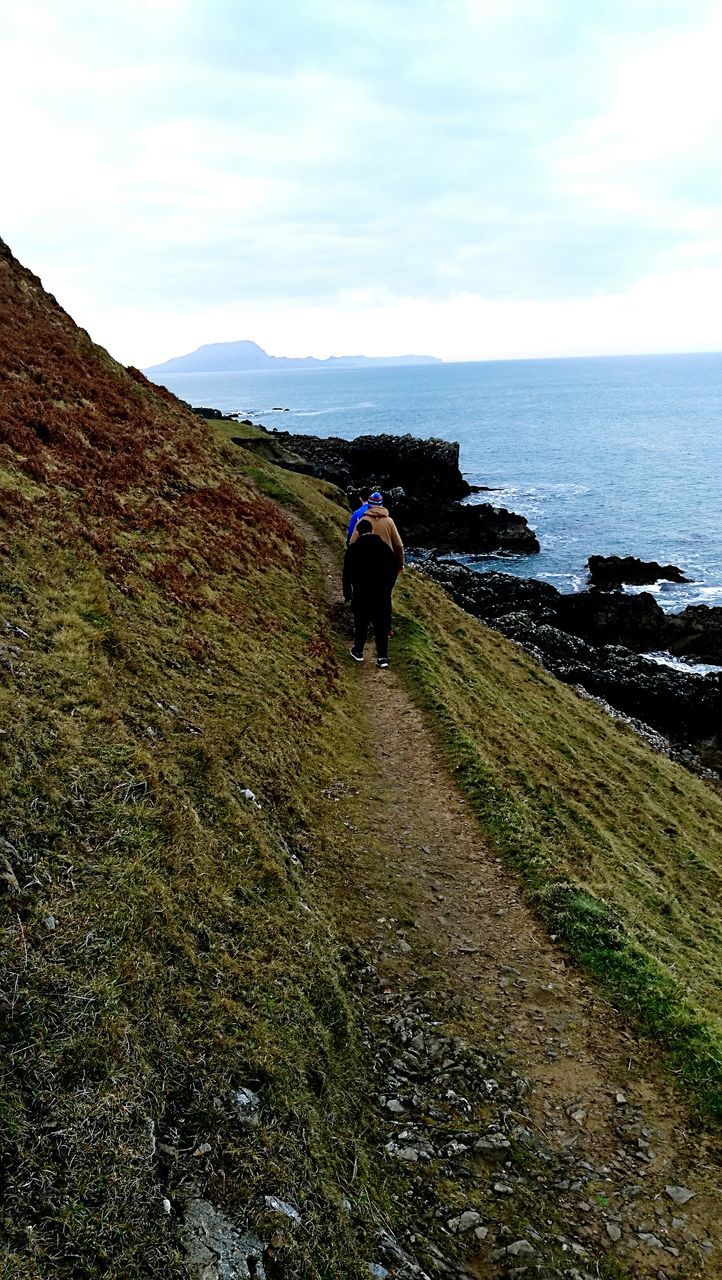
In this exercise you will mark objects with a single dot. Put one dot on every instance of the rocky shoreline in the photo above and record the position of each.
(598, 640)
(595, 639)
(420, 478)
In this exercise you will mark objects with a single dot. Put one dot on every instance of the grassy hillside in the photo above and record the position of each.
(176, 716)
(163, 654)
(620, 849)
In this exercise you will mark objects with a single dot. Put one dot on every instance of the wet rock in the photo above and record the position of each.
(612, 571)
(596, 640)
(476, 528)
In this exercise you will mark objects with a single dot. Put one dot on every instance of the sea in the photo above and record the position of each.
(611, 455)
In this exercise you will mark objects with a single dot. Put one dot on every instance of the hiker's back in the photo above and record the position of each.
(384, 527)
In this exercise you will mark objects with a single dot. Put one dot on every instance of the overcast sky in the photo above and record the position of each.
(467, 178)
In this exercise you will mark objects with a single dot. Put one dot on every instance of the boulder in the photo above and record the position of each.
(609, 572)
(475, 528)
(491, 595)
(608, 617)
(696, 632)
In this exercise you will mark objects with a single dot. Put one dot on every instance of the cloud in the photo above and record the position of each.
(199, 161)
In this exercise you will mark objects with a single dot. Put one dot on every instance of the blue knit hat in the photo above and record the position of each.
(376, 498)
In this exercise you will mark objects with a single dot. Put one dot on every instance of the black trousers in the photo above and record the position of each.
(376, 611)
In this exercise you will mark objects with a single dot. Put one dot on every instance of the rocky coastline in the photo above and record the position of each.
(596, 639)
(421, 479)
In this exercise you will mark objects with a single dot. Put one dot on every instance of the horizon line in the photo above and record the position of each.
(605, 355)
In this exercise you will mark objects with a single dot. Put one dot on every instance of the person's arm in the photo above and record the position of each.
(358, 513)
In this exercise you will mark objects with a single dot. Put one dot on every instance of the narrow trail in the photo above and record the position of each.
(597, 1090)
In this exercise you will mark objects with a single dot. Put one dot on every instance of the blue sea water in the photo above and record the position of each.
(617, 455)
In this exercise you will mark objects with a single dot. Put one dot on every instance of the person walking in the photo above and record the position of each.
(370, 569)
(383, 526)
(364, 494)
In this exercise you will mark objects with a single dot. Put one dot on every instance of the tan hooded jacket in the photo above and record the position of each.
(384, 526)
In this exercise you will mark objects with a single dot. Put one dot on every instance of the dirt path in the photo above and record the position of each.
(597, 1091)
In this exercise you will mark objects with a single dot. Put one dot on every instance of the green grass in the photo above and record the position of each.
(619, 849)
(177, 656)
(189, 954)
(226, 431)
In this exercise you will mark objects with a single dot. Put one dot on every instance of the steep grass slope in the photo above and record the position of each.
(620, 848)
(162, 658)
(172, 706)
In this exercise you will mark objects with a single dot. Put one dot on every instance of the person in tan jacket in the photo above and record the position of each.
(384, 526)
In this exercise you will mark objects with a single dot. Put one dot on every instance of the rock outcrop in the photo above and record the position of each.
(595, 639)
(417, 466)
(420, 479)
(609, 572)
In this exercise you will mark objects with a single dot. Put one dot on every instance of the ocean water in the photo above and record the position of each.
(619, 455)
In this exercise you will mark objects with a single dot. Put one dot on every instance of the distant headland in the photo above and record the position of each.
(238, 357)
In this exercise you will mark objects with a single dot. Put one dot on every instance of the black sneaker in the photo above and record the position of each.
(357, 657)
(382, 663)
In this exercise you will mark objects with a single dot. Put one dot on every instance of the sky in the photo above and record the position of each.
(472, 179)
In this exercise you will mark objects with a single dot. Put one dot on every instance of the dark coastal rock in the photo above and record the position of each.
(421, 483)
(696, 633)
(612, 618)
(492, 595)
(214, 414)
(418, 466)
(473, 528)
(577, 639)
(609, 572)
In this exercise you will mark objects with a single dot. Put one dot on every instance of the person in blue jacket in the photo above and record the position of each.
(365, 495)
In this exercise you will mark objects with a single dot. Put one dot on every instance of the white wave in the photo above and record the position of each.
(664, 659)
(337, 408)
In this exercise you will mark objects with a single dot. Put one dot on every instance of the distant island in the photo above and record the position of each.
(237, 357)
